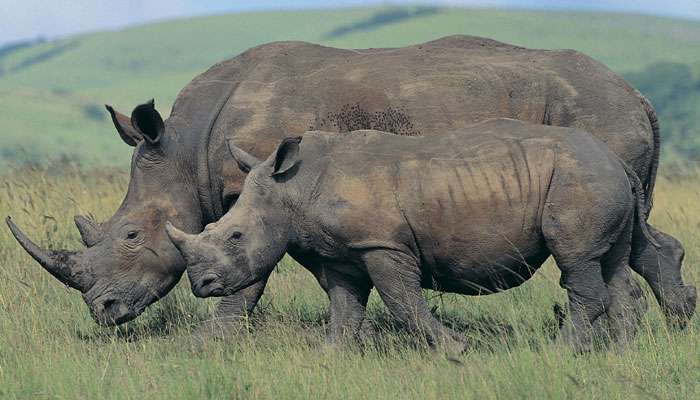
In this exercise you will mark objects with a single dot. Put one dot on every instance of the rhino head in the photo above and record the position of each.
(247, 242)
(128, 261)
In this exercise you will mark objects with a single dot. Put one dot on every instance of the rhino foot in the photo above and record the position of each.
(679, 307)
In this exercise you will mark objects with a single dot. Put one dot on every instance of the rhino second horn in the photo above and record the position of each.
(183, 241)
(60, 264)
(90, 232)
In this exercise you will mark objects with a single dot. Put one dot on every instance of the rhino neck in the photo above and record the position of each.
(201, 108)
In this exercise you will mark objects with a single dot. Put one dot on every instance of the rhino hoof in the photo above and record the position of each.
(678, 313)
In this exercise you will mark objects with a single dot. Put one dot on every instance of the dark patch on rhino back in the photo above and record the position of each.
(355, 117)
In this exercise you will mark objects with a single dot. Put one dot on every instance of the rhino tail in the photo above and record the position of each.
(654, 165)
(641, 210)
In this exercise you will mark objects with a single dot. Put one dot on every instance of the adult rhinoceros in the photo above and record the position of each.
(180, 171)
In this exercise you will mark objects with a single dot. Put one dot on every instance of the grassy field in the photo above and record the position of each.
(51, 94)
(50, 348)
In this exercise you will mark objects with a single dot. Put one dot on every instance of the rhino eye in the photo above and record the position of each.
(131, 235)
(236, 235)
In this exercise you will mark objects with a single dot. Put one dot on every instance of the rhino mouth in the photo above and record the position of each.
(109, 310)
(114, 303)
(208, 285)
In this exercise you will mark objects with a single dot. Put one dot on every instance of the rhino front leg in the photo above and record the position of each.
(232, 313)
(241, 304)
(397, 277)
(348, 297)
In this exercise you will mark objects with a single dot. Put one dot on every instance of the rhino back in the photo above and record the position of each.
(286, 88)
(289, 87)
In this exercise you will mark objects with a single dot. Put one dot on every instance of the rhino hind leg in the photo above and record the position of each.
(592, 264)
(627, 302)
(589, 299)
(397, 278)
(661, 268)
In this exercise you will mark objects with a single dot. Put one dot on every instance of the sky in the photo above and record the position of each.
(27, 19)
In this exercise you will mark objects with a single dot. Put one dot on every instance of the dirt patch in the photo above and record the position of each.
(355, 117)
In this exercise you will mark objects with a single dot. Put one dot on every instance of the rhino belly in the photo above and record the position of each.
(480, 274)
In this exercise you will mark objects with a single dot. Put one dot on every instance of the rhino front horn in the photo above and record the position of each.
(90, 232)
(60, 264)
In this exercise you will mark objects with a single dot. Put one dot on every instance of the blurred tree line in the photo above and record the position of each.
(674, 90)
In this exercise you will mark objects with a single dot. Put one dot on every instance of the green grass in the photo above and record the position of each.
(50, 348)
(43, 104)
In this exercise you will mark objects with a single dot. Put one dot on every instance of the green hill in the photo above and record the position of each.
(51, 93)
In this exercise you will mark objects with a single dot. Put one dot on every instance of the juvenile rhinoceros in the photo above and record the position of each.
(180, 169)
(473, 211)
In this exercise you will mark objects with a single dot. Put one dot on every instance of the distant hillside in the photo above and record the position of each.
(51, 93)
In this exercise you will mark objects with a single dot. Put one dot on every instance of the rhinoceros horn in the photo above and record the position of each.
(90, 232)
(185, 242)
(61, 264)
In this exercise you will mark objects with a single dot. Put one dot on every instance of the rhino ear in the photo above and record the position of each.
(148, 122)
(126, 131)
(245, 161)
(286, 155)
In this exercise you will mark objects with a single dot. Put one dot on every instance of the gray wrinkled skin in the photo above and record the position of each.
(181, 169)
(475, 211)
